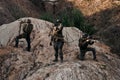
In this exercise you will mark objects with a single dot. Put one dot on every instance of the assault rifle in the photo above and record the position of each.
(93, 38)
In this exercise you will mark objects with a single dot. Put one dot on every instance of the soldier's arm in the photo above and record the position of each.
(80, 42)
(90, 41)
(51, 29)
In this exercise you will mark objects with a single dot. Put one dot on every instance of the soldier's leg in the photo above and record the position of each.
(28, 42)
(93, 51)
(56, 51)
(82, 54)
(17, 39)
(60, 50)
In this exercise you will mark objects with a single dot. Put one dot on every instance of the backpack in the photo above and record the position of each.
(27, 28)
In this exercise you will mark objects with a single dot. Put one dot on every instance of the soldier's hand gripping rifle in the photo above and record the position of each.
(93, 38)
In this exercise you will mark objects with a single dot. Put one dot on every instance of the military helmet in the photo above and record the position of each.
(28, 21)
(22, 20)
(85, 35)
(58, 21)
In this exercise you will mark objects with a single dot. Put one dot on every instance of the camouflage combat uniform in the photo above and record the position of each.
(58, 41)
(27, 29)
(83, 45)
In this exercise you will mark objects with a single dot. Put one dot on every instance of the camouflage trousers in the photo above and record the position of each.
(58, 45)
(27, 37)
(83, 52)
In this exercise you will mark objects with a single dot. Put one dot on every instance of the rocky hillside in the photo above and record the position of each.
(104, 15)
(11, 10)
(18, 64)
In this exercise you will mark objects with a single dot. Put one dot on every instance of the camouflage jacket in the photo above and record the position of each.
(56, 33)
(83, 43)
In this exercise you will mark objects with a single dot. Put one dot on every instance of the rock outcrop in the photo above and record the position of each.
(18, 64)
(104, 15)
(15, 9)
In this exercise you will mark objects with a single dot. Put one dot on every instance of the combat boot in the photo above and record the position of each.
(82, 59)
(61, 61)
(28, 49)
(61, 58)
(95, 59)
(55, 60)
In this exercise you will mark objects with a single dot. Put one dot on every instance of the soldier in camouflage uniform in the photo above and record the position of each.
(83, 45)
(27, 29)
(57, 40)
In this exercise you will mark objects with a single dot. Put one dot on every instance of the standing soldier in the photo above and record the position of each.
(27, 29)
(83, 45)
(57, 40)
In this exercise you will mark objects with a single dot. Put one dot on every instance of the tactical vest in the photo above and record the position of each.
(83, 43)
(57, 34)
(27, 28)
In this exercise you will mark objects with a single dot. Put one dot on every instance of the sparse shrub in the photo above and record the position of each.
(71, 17)
(112, 38)
(47, 17)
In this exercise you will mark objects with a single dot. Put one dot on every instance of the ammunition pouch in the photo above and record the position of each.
(58, 38)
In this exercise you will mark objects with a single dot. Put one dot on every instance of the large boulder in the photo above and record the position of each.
(18, 64)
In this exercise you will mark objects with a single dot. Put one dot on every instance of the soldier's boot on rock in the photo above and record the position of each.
(28, 49)
(56, 57)
(94, 58)
(82, 55)
(61, 58)
(81, 59)
(94, 54)
(55, 60)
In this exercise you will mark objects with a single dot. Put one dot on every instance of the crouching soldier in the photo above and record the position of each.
(83, 45)
(57, 40)
(26, 28)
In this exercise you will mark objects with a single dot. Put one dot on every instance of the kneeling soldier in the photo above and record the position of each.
(83, 45)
